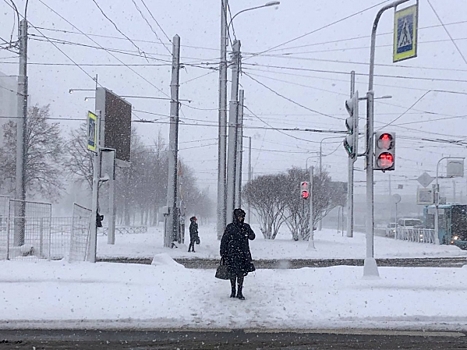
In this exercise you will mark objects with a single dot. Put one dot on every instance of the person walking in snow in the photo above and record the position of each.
(194, 237)
(235, 251)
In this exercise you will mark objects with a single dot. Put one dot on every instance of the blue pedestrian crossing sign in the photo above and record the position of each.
(92, 132)
(405, 33)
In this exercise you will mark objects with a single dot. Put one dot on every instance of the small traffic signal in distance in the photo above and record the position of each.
(351, 123)
(305, 189)
(385, 150)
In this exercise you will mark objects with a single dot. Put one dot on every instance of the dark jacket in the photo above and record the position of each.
(193, 231)
(235, 248)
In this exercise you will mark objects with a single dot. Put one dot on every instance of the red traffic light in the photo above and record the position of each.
(305, 194)
(385, 141)
(385, 160)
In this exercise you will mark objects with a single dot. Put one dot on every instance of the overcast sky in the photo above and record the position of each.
(300, 79)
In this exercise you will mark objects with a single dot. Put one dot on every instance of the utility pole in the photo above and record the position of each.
(239, 153)
(233, 122)
(171, 229)
(351, 162)
(221, 156)
(250, 174)
(21, 132)
(96, 174)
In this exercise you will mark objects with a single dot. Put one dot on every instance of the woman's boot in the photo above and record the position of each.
(232, 284)
(240, 287)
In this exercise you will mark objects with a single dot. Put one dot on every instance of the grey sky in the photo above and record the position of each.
(312, 71)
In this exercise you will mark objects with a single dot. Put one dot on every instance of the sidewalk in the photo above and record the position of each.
(42, 294)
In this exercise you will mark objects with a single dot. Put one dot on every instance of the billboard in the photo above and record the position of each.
(116, 122)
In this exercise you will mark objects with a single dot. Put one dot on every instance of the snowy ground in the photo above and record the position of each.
(42, 294)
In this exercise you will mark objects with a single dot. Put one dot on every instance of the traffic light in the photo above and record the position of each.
(305, 189)
(351, 139)
(385, 150)
(99, 219)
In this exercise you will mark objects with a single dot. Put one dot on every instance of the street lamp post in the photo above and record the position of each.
(370, 268)
(222, 183)
(437, 199)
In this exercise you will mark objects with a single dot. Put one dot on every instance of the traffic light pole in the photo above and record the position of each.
(370, 268)
(351, 162)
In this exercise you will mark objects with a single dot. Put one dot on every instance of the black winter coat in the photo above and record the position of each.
(194, 231)
(235, 248)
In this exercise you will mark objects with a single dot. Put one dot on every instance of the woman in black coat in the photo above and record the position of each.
(235, 251)
(194, 237)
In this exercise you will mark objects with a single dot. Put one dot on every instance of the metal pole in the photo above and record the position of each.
(221, 165)
(112, 208)
(172, 227)
(96, 161)
(350, 181)
(311, 244)
(249, 174)
(233, 116)
(239, 153)
(370, 268)
(21, 132)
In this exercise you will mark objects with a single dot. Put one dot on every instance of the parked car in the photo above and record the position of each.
(409, 222)
(404, 226)
(391, 229)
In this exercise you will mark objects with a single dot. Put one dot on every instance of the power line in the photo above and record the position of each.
(135, 72)
(447, 32)
(359, 74)
(116, 27)
(319, 29)
(149, 24)
(150, 13)
(290, 100)
(118, 38)
(327, 42)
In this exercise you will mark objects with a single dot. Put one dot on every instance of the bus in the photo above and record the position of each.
(452, 223)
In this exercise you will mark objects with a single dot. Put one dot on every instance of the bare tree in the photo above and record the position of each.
(266, 195)
(44, 155)
(276, 200)
(78, 163)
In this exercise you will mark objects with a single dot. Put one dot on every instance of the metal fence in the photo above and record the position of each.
(28, 229)
(420, 235)
(80, 233)
(38, 235)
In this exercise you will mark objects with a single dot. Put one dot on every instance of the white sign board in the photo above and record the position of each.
(425, 196)
(455, 168)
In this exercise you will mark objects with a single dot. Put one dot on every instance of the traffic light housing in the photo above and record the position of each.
(351, 123)
(99, 219)
(305, 189)
(385, 150)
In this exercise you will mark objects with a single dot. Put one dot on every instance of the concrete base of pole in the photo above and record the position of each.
(370, 269)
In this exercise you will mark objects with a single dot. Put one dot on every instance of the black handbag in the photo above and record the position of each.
(251, 267)
(222, 271)
(197, 240)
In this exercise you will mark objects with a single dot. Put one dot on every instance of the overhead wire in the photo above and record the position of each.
(119, 38)
(149, 24)
(366, 37)
(152, 16)
(135, 72)
(447, 32)
(357, 73)
(320, 28)
(290, 100)
(116, 27)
